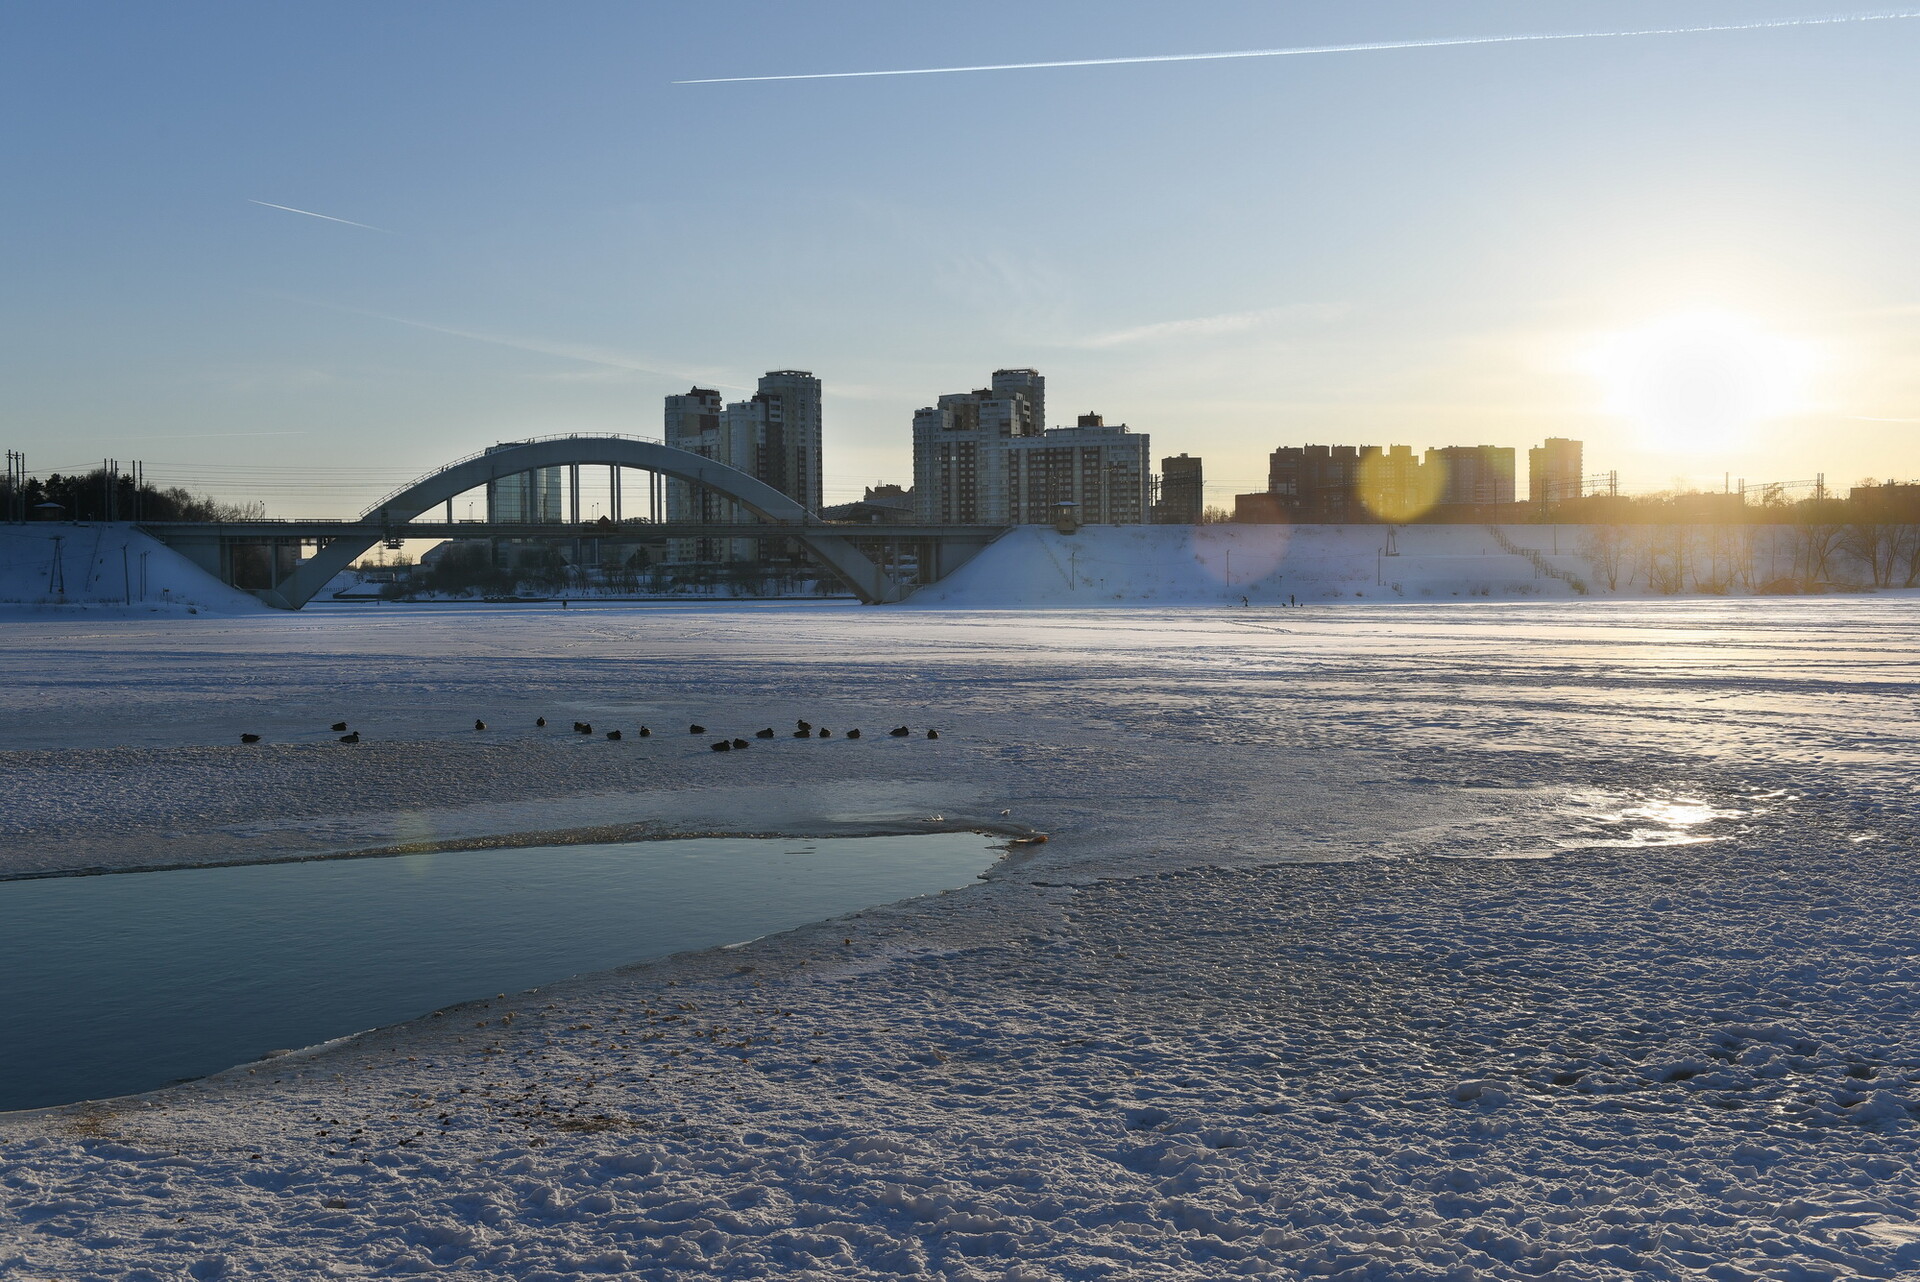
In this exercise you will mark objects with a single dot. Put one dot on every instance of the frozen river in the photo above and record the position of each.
(1499, 940)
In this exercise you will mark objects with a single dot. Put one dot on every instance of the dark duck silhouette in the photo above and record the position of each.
(249, 738)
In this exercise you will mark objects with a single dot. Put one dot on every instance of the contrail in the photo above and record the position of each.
(309, 213)
(571, 352)
(1371, 47)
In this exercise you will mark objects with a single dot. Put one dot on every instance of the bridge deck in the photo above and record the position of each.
(630, 530)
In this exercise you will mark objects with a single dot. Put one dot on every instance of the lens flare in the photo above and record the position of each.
(1399, 488)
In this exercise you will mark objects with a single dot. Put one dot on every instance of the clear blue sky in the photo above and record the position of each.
(1420, 246)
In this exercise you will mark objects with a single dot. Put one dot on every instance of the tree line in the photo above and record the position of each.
(95, 496)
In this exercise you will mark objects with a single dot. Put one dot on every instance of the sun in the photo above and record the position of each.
(1701, 381)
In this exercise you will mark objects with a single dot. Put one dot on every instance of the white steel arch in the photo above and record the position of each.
(787, 517)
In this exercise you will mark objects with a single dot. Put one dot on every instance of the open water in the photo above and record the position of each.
(123, 983)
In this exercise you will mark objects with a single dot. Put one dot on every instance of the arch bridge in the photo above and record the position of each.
(839, 547)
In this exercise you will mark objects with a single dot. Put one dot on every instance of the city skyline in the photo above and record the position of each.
(255, 248)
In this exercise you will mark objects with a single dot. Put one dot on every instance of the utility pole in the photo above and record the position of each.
(16, 486)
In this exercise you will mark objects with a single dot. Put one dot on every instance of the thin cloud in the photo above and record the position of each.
(603, 357)
(268, 204)
(1375, 46)
(1208, 326)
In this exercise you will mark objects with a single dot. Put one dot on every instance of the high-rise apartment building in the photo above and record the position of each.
(789, 427)
(527, 498)
(1340, 484)
(959, 466)
(695, 422)
(1102, 469)
(1182, 493)
(1555, 471)
(773, 436)
(986, 457)
(1394, 485)
(1317, 484)
(1476, 474)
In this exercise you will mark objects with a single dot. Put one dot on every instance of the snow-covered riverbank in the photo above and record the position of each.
(1286, 993)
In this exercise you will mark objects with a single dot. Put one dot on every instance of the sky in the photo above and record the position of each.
(1692, 252)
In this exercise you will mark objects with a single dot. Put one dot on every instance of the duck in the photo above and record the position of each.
(249, 738)
(645, 733)
(826, 734)
(614, 735)
(899, 732)
(740, 743)
(803, 725)
(853, 734)
(696, 729)
(933, 734)
(722, 746)
(803, 734)
(478, 724)
(764, 734)
(338, 726)
(583, 727)
(539, 721)
(350, 738)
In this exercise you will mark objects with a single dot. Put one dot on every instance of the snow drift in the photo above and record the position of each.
(1035, 565)
(98, 565)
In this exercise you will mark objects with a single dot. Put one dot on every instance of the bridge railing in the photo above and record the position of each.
(393, 494)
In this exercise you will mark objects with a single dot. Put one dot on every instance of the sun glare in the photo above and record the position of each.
(1701, 381)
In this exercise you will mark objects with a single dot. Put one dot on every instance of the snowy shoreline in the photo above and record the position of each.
(1234, 1017)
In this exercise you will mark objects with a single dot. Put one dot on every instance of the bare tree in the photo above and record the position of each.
(1608, 551)
(1818, 531)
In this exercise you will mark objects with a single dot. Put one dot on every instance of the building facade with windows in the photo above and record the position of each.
(1183, 493)
(960, 473)
(1102, 469)
(774, 436)
(527, 498)
(1473, 474)
(1555, 471)
(986, 457)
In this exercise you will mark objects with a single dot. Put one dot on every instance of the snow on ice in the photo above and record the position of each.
(1555, 939)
